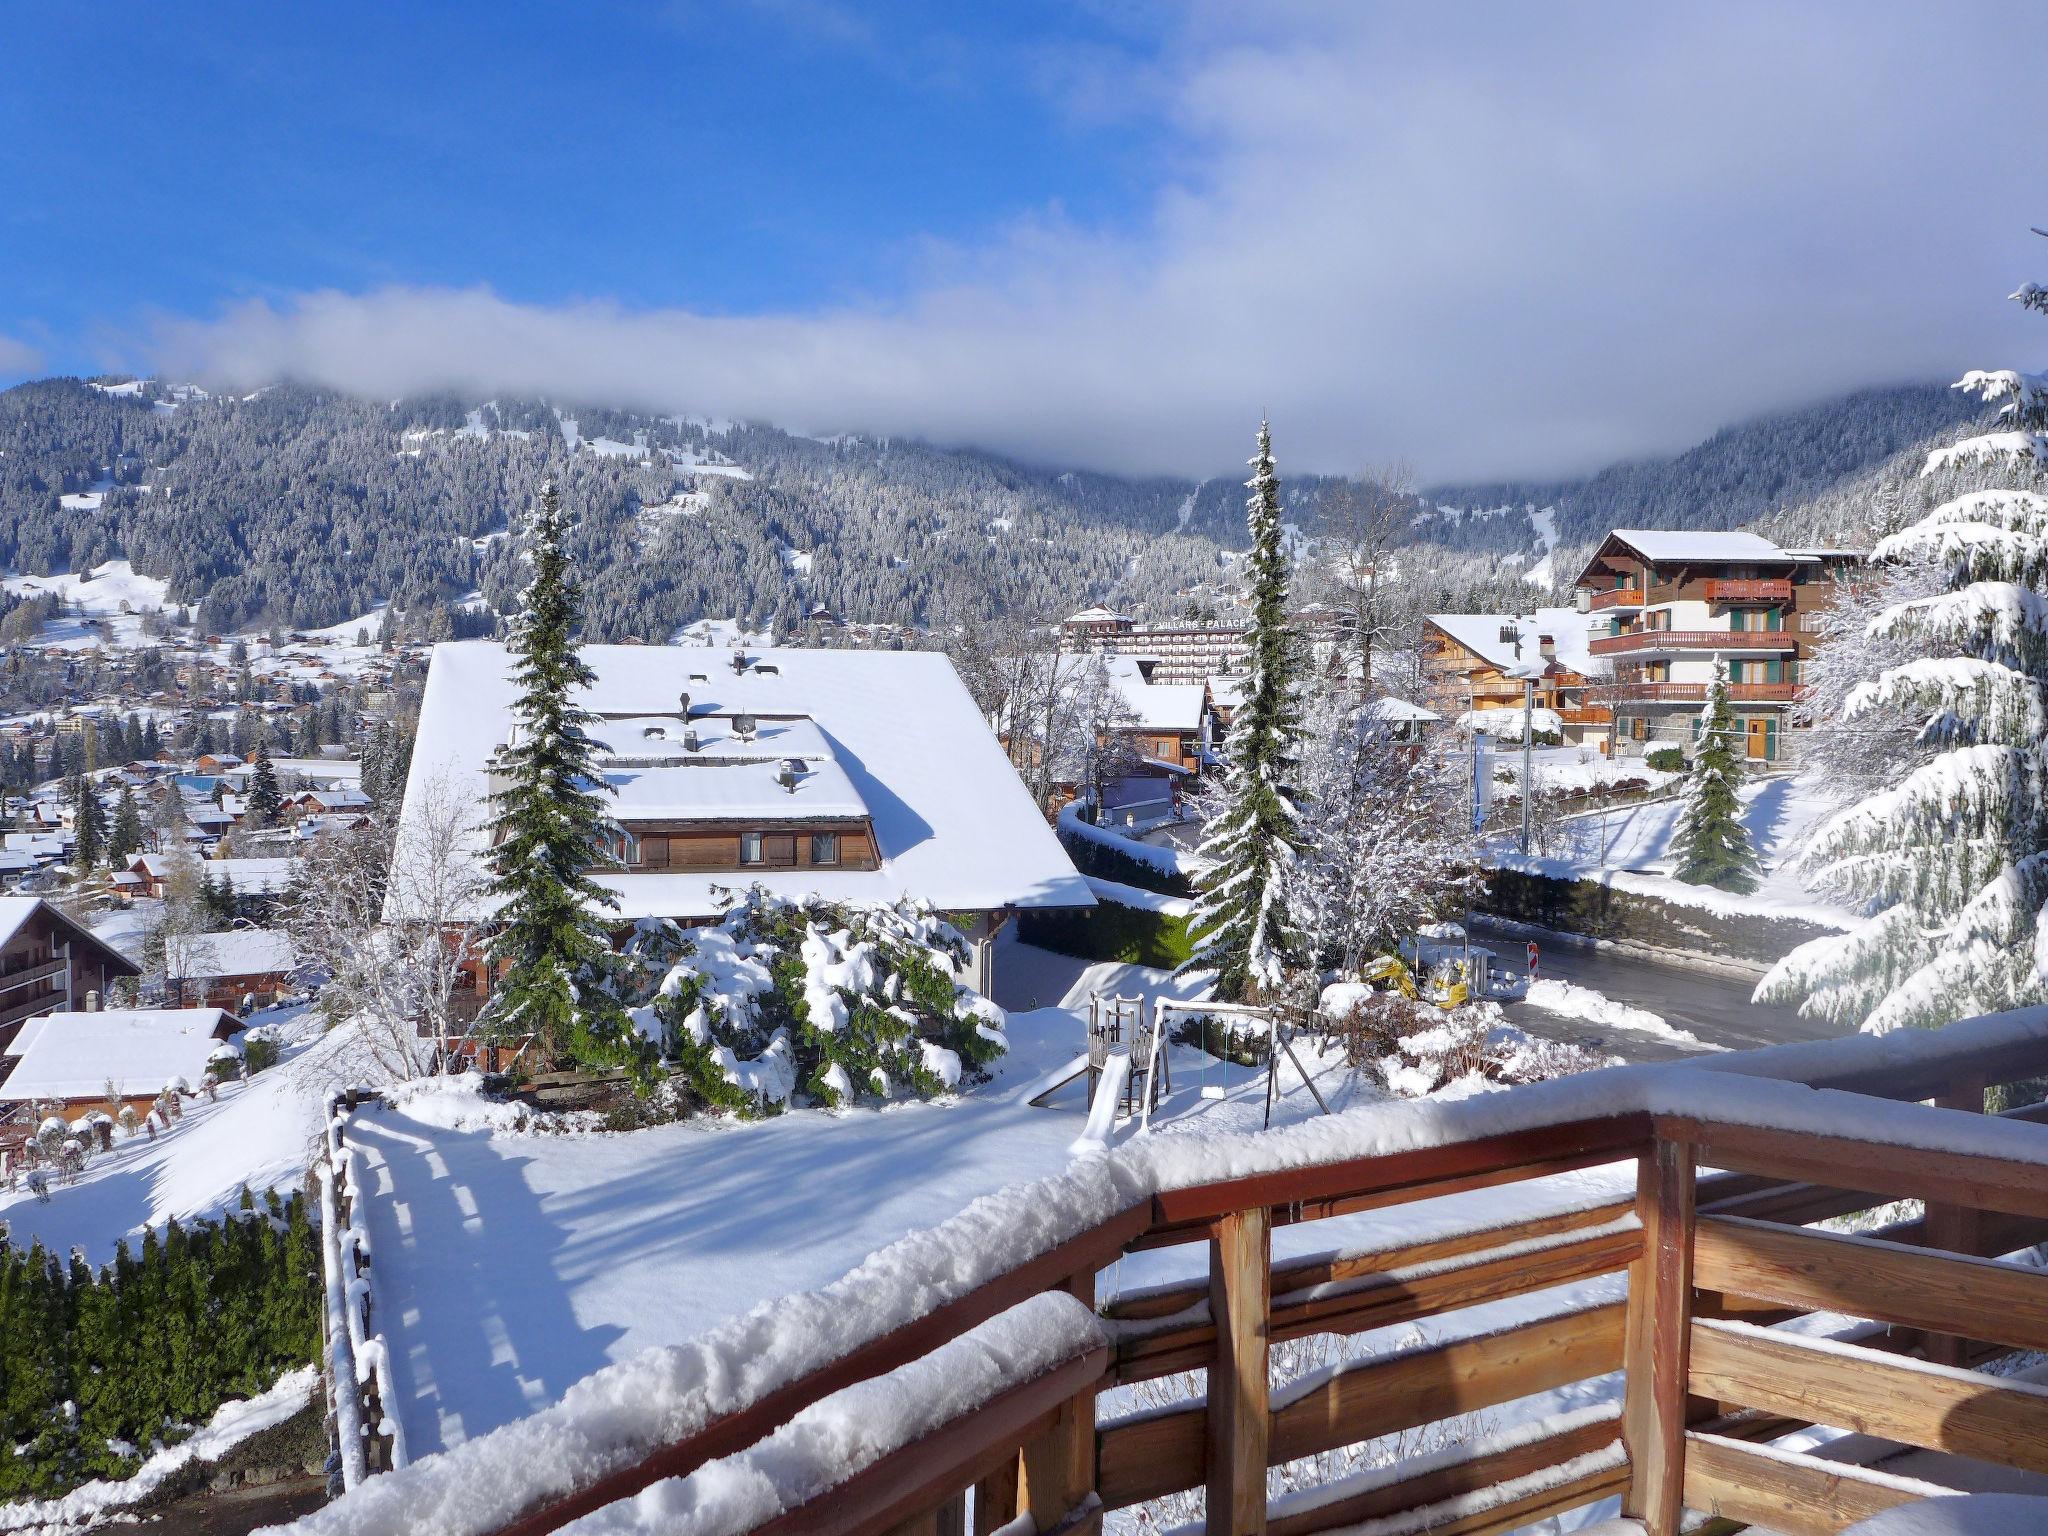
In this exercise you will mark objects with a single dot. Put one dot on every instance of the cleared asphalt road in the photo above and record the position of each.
(1714, 1008)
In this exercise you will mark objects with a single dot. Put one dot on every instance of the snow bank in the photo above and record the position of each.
(1569, 1000)
(842, 1435)
(618, 1415)
(231, 1424)
(1167, 861)
(1144, 901)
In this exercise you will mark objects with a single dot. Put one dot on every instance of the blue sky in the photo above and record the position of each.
(1493, 239)
(724, 157)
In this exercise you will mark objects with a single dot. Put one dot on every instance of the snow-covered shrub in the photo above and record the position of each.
(838, 1001)
(1416, 1049)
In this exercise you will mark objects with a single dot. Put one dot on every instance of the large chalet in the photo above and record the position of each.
(854, 775)
(49, 963)
(1677, 603)
(1473, 663)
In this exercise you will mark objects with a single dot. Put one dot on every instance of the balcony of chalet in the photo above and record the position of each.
(1728, 592)
(1704, 1259)
(1696, 693)
(1648, 642)
(1617, 597)
(27, 990)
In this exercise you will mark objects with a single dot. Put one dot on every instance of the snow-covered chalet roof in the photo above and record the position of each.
(1156, 706)
(890, 734)
(140, 1050)
(1388, 708)
(1695, 546)
(16, 911)
(236, 952)
(1571, 630)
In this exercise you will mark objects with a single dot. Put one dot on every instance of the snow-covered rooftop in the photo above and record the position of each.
(1571, 632)
(1156, 706)
(237, 952)
(138, 1050)
(890, 734)
(1661, 544)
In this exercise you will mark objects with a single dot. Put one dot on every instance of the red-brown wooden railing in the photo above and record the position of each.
(1706, 1254)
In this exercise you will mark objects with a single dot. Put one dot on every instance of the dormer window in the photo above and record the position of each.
(824, 847)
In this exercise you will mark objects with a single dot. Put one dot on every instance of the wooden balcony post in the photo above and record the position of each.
(1057, 1470)
(1239, 1422)
(1954, 1228)
(1656, 1342)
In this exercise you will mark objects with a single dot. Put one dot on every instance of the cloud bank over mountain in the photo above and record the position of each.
(1490, 240)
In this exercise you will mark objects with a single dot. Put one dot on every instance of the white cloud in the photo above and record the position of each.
(1487, 239)
(18, 358)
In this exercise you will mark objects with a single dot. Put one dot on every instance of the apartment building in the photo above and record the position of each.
(1676, 604)
(1476, 662)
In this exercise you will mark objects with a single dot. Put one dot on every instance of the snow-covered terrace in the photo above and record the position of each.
(892, 735)
(1476, 1249)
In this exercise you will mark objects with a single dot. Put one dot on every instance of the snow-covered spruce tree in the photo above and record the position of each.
(841, 1001)
(551, 947)
(266, 800)
(1241, 926)
(1711, 843)
(1954, 856)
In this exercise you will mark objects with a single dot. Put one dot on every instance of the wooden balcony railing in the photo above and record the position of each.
(1768, 589)
(1638, 640)
(1618, 597)
(1712, 1260)
(1696, 693)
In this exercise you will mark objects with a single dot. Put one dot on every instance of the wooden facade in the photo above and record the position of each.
(662, 846)
(51, 963)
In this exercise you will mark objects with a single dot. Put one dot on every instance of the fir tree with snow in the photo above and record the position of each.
(124, 838)
(88, 825)
(1711, 842)
(266, 800)
(1953, 858)
(551, 945)
(1241, 926)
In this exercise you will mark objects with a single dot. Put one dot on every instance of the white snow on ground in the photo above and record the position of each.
(111, 592)
(511, 1265)
(1630, 849)
(258, 1134)
(1572, 1001)
(232, 1423)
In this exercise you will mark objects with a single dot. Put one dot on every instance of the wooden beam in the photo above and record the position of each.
(915, 1481)
(1329, 1268)
(1439, 1381)
(1086, 1252)
(1925, 1173)
(1934, 1407)
(1953, 1227)
(1058, 1464)
(1151, 1454)
(1792, 1494)
(1237, 1420)
(1654, 1351)
(1381, 1300)
(1515, 1514)
(1468, 1475)
(1947, 1294)
(995, 1497)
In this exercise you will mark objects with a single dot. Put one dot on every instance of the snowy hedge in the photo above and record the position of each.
(838, 1002)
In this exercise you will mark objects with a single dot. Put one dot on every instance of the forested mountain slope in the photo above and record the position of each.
(304, 508)
(1742, 472)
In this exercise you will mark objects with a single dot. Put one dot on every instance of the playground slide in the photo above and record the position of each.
(1046, 1084)
(1109, 1092)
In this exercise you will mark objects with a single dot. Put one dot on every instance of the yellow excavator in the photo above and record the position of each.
(1446, 987)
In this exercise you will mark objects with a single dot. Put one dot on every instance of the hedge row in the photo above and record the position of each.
(96, 1366)
(1106, 863)
(1107, 931)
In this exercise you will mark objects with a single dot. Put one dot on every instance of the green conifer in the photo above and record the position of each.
(1712, 844)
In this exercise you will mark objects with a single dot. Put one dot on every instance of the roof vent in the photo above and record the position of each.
(653, 733)
(683, 704)
(690, 741)
(767, 669)
(744, 726)
(700, 677)
(739, 661)
(792, 770)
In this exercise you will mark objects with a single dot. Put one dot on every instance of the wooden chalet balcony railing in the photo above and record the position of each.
(31, 989)
(1692, 640)
(1712, 1259)
(1618, 597)
(1586, 714)
(1768, 589)
(1696, 693)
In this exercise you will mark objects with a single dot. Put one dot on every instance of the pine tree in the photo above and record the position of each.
(1954, 856)
(1712, 844)
(551, 830)
(88, 825)
(266, 801)
(1241, 925)
(125, 838)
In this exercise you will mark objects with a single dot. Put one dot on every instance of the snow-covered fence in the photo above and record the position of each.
(366, 1436)
(951, 1360)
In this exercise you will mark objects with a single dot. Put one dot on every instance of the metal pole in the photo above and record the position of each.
(1528, 746)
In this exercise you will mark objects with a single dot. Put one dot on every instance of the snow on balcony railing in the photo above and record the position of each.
(1692, 640)
(648, 1420)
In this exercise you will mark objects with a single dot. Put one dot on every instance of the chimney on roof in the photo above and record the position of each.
(791, 770)
(1547, 644)
(683, 704)
(690, 741)
(92, 1002)
(739, 661)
